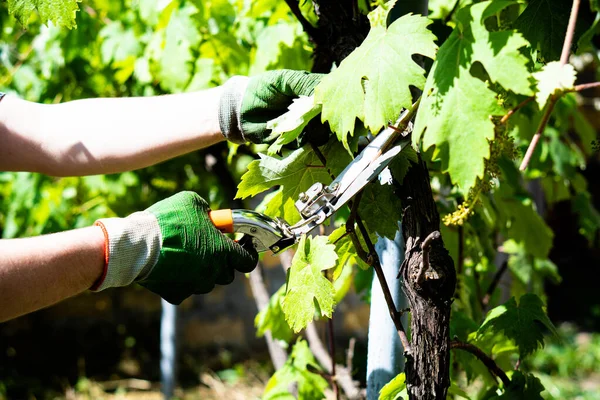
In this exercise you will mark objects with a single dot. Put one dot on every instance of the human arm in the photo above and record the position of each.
(100, 136)
(107, 135)
(172, 249)
(40, 271)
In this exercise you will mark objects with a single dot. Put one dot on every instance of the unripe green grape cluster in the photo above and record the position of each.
(503, 145)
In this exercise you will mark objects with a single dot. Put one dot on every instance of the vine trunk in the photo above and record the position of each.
(429, 287)
(342, 28)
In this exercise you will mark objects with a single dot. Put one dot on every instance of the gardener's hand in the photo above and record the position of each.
(173, 249)
(248, 103)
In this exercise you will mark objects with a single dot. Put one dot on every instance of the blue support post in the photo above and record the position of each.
(168, 349)
(385, 357)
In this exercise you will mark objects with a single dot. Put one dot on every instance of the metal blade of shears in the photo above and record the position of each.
(350, 185)
(319, 202)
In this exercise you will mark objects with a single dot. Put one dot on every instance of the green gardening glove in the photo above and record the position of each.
(172, 249)
(247, 104)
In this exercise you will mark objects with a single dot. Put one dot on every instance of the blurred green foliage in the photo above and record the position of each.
(136, 48)
(568, 366)
(151, 47)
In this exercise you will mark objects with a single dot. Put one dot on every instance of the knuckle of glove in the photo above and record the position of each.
(225, 275)
(245, 260)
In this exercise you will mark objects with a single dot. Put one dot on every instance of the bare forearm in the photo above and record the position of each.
(99, 136)
(41, 271)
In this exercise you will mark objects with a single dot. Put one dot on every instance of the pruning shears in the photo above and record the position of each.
(320, 201)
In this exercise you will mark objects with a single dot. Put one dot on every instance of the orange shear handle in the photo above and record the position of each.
(222, 220)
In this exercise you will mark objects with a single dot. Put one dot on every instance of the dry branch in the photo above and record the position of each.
(343, 375)
(261, 297)
(491, 365)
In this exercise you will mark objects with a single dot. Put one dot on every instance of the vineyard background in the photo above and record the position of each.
(148, 47)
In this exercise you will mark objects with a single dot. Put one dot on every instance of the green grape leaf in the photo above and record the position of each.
(372, 83)
(301, 167)
(288, 126)
(59, 12)
(381, 209)
(345, 250)
(306, 285)
(519, 322)
(522, 387)
(524, 224)
(402, 163)
(295, 373)
(295, 173)
(455, 111)
(379, 16)
(271, 318)
(283, 207)
(455, 119)
(544, 25)
(343, 283)
(553, 78)
(394, 389)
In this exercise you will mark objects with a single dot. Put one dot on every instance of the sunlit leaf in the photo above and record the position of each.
(457, 106)
(59, 12)
(553, 78)
(522, 322)
(368, 85)
(296, 373)
(306, 284)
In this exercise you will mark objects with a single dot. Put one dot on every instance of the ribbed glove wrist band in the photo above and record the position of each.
(132, 247)
(230, 105)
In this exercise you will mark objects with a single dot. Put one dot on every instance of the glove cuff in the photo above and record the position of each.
(132, 247)
(230, 105)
